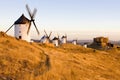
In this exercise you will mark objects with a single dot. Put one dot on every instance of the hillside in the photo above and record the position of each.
(20, 60)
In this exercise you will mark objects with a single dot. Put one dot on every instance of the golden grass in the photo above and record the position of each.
(21, 60)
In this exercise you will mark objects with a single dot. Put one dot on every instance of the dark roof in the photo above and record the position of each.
(55, 38)
(74, 40)
(45, 37)
(22, 20)
(64, 37)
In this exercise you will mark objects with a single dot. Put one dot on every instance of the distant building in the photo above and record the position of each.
(74, 42)
(64, 39)
(45, 39)
(101, 41)
(85, 45)
(111, 45)
(55, 41)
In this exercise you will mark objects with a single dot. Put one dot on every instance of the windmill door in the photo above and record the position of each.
(20, 37)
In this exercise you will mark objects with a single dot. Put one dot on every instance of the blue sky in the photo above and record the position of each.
(81, 19)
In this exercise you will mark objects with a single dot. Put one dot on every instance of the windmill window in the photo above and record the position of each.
(19, 31)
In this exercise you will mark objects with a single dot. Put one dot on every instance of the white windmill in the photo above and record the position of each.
(23, 25)
(85, 45)
(46, 38)
(74, 42)
(56, 41)
(64, 39)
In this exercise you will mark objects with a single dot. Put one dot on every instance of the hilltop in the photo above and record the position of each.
(20, 60)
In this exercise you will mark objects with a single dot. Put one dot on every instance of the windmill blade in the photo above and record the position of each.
(50, 34)
(28, 29)
(9, 28)
(28, 10)
(36, 27)
(46, 33)
(34, 13)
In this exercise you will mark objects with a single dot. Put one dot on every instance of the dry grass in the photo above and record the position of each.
(80, 65)
(20, 60)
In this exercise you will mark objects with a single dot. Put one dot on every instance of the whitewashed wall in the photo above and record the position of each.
(74, 42)
(21, 30)
(64, 40)
(45, 40)
(55, 42)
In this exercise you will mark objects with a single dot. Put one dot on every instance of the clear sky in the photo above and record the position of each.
(81, 19)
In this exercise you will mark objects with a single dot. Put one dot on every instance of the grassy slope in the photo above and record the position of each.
(77, 63)
(20, 60)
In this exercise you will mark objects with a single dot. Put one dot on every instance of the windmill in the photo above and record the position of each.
(23, 25)
(74, 41)
(56, 40)
(64, 39)
(46, 38)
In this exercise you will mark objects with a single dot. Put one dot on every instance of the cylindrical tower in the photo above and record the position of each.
(64, 39)
(55, 41)
(21, 28)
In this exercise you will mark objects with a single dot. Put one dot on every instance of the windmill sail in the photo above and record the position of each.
(32, 15)
(46, 33)
(36, 27)
(9, 28)
(50, 34)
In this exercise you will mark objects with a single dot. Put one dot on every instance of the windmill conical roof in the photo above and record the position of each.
(22, 20)
(55, 38)
(64, 37)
